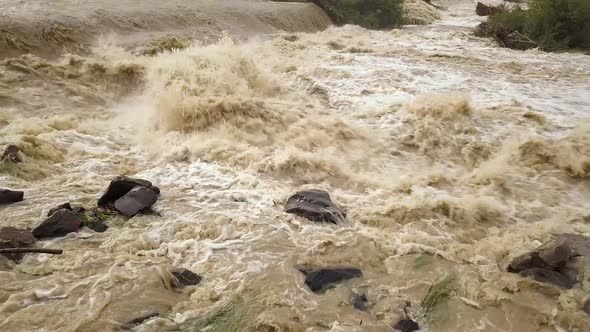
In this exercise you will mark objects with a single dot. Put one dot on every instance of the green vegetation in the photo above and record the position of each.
(232, 317)
(371, 14)
(438, 292)
(549, 24)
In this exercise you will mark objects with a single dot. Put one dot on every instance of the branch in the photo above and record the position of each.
(36, 250)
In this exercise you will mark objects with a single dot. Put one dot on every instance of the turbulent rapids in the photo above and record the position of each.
(449, 156)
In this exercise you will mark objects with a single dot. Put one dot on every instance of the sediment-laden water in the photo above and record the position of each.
(450, 155)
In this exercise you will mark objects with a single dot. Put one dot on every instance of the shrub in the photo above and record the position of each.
(371, 14)
(551, 24)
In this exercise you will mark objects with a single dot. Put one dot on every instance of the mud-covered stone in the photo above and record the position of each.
(406, 325)
(315, 205)
(12, 154)
(11, 237)
(120, 186)
(10, 196)
(136, 200)
(184, 277)
(58, 224)
(319, 279)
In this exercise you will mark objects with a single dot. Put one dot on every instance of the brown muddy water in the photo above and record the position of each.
(450, 155)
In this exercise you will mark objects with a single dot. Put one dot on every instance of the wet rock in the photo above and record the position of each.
(406, 325)
(12, 154)
(562, 261)
(359, 301)
(315, 205)
(66, 206)
(552, 255)
(95, 222)
(59, 223)
(136, 200)
(485, 10)
(549, 276)
(184, 277)
(10, 196)
(120, 186)
(586, 307)
(318, 280)
(11, 237)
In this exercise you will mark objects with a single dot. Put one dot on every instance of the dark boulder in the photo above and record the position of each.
(562, 261)
(315, 205)
(586, 307)
(12, 154)
(10, 196)
(359, 301)
(59, 223)
(485, 10)
(11, 237)
(136, 200)
(318, 280)
(66, 206)
(552, 255)
(406, 325)
(549, 276)
(120, 186)
(184, 277)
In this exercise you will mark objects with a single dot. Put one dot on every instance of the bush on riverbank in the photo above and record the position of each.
(371, 14)
(548, 24)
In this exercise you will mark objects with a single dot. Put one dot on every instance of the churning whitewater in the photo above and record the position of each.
(451, 156)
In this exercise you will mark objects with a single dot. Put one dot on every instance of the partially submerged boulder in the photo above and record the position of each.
(11, 237)
(58, 224)
(319, 279)
(359, 301)
(129, 196)
(10, 196)
(184, 277)
(406, 325)
(562, 261)
(12, 154)
(315, 205)
(136, 200)
(485, 10)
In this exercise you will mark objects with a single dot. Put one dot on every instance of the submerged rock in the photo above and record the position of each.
(136, 200)
(10, 196)
(129, 196)
(485, 10)
(406, 325)
(586, 307)
(359, 301)
(59, 223)
(549, 276)
(12, 154)
(315, 205)
(184, 277)
(139, 320)
(562, 261)
(318, 280)
(11, 237)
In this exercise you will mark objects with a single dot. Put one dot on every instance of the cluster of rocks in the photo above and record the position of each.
(125, 196)
(317, 206)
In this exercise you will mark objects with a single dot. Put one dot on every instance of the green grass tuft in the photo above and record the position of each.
(232, 317)
(438, 292)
